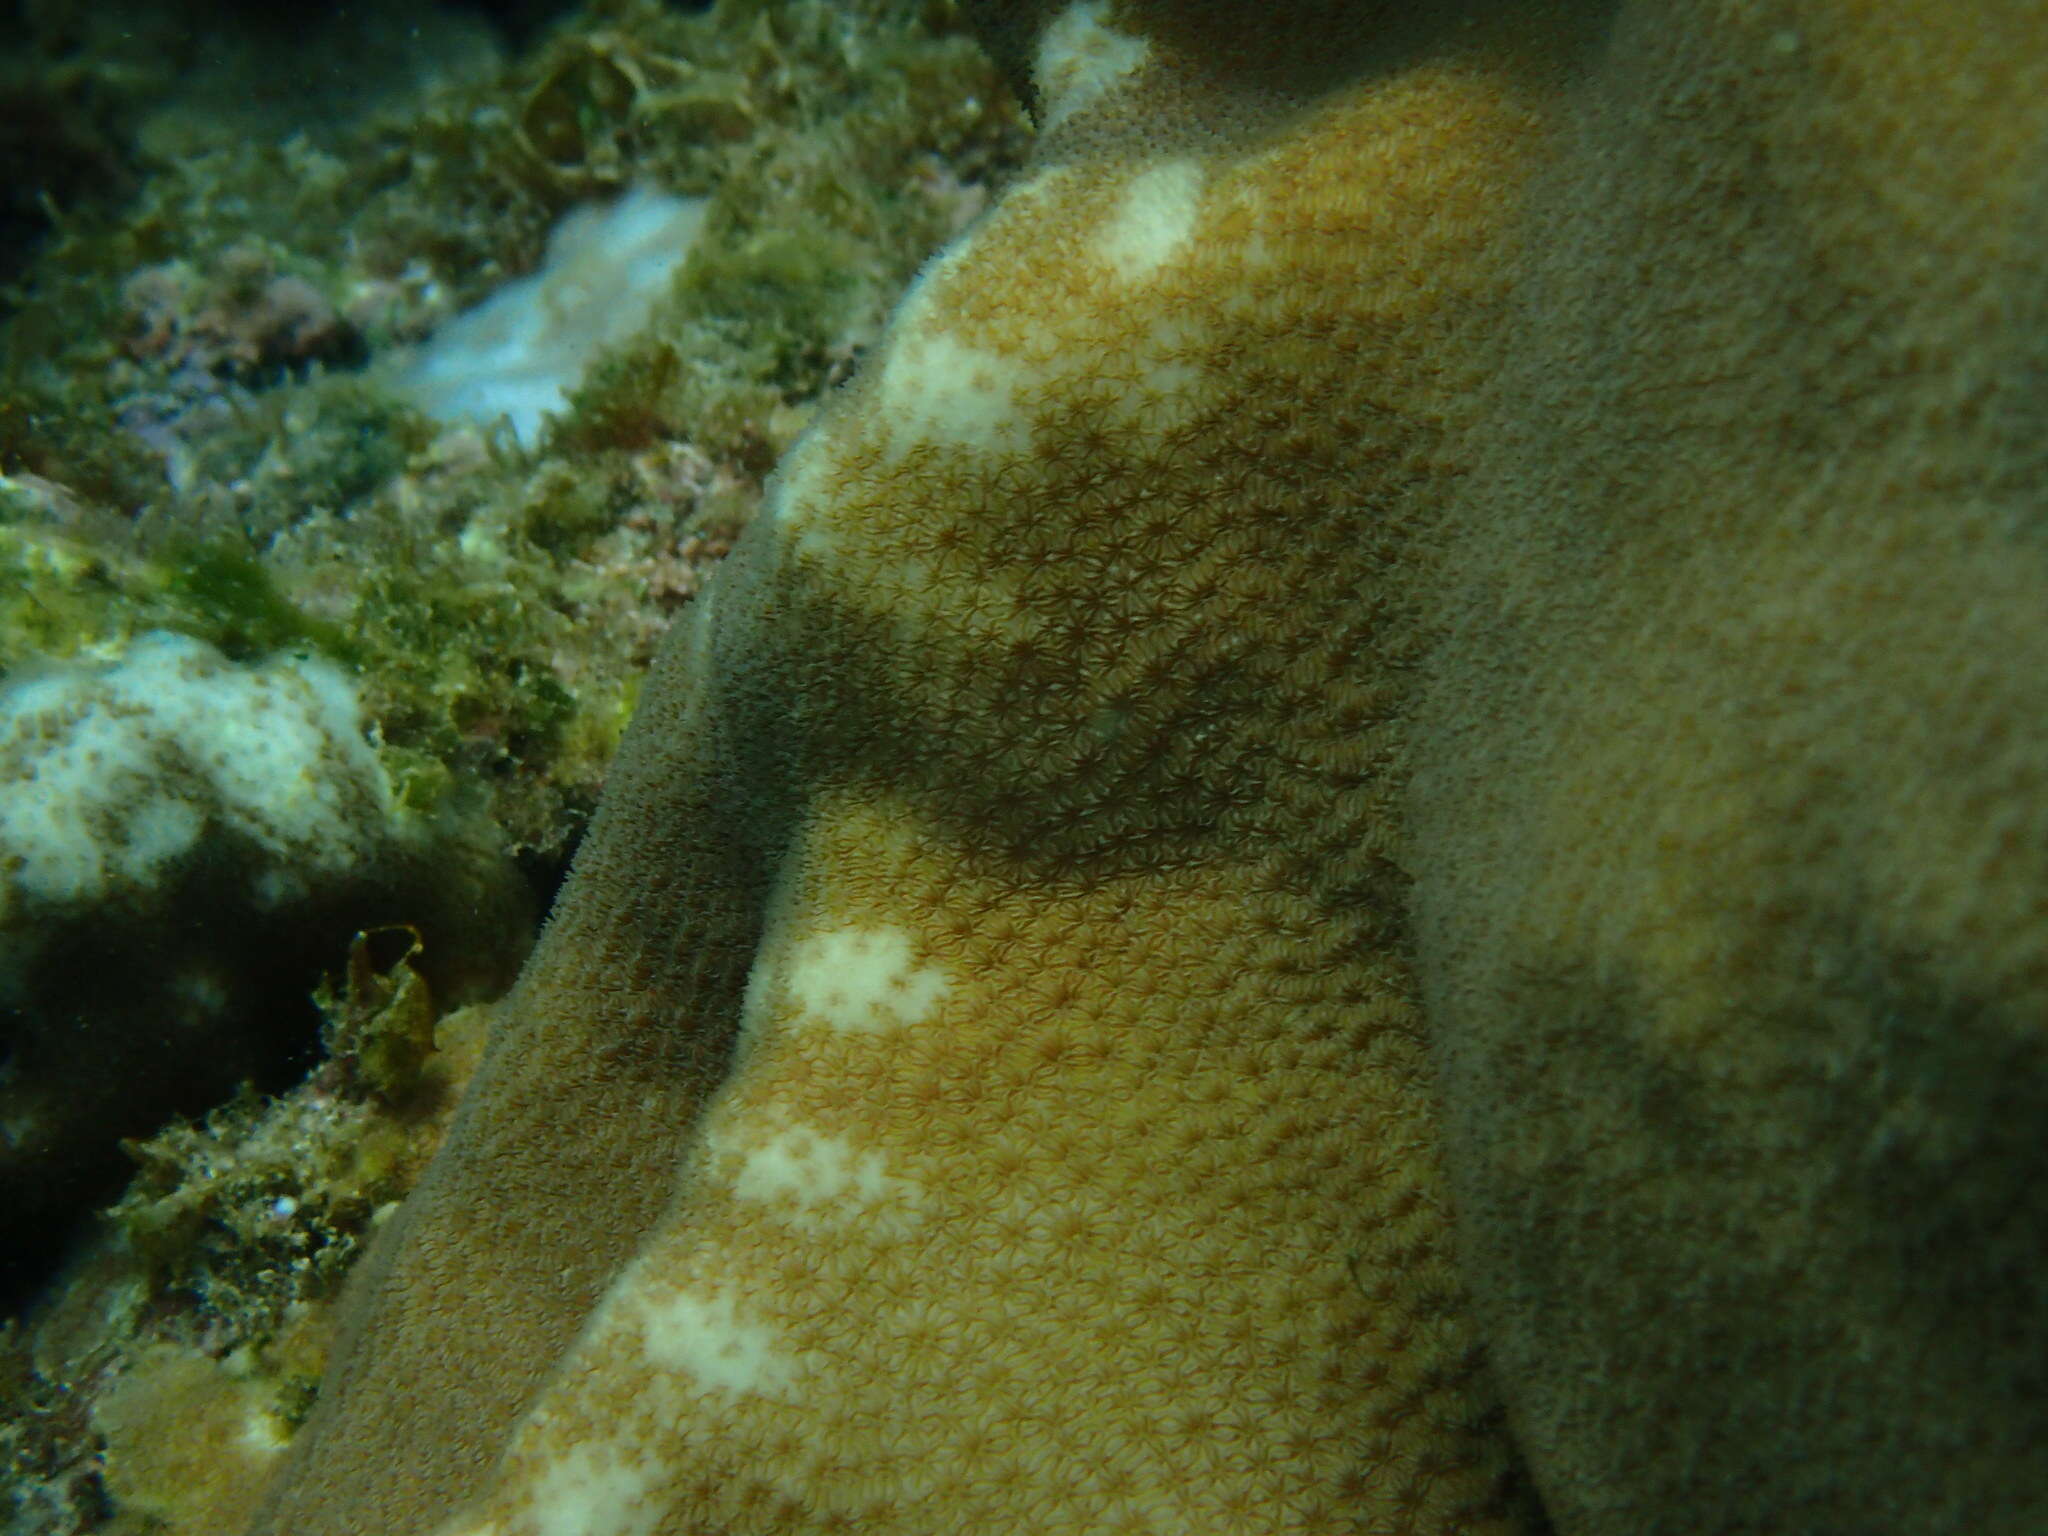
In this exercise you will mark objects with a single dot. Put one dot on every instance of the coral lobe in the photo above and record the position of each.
(1292, 688)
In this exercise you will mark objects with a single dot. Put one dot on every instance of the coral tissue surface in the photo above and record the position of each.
(1358, 848)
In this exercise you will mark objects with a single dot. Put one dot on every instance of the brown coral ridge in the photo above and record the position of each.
(1540, 540)
(1730, 812)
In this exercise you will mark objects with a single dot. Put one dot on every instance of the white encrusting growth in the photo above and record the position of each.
(1154, 222)
(1080, 57)
(861, 979)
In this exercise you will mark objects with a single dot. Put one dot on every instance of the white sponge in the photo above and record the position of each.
(518, 353)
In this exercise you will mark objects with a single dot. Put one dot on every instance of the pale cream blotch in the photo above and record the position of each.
(799, 495)
(692, 1343)
(934, 387)
(1153, 222)
(1147, 239)
(711, 1340)
(1081, 58)
(595, 1489)
(861, 979)
(806, 1175)
(937, 388)
(588, 1488)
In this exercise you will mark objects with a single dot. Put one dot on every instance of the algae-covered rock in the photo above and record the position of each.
(184, 842)
(211, 362)
(219, 249)
(201, 433)
(153, 1389)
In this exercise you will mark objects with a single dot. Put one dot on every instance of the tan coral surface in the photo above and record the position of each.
(1731, 796)
(978, 1081)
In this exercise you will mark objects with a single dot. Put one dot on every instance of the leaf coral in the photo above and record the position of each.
(1516, 520)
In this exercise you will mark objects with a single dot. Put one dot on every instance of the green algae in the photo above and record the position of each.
(233, 602)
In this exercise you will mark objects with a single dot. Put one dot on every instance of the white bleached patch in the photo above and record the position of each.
(820, 1173)
(756, 1001)
(861, 979)
(710, 1340)
(1154, 222)
(936, 388)
(262, 1434)
(593, 1490)
(1080, 57)
(797, 490)
(704, 606)
(932, 387)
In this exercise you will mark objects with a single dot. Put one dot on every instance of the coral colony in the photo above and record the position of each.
(1353, 843)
